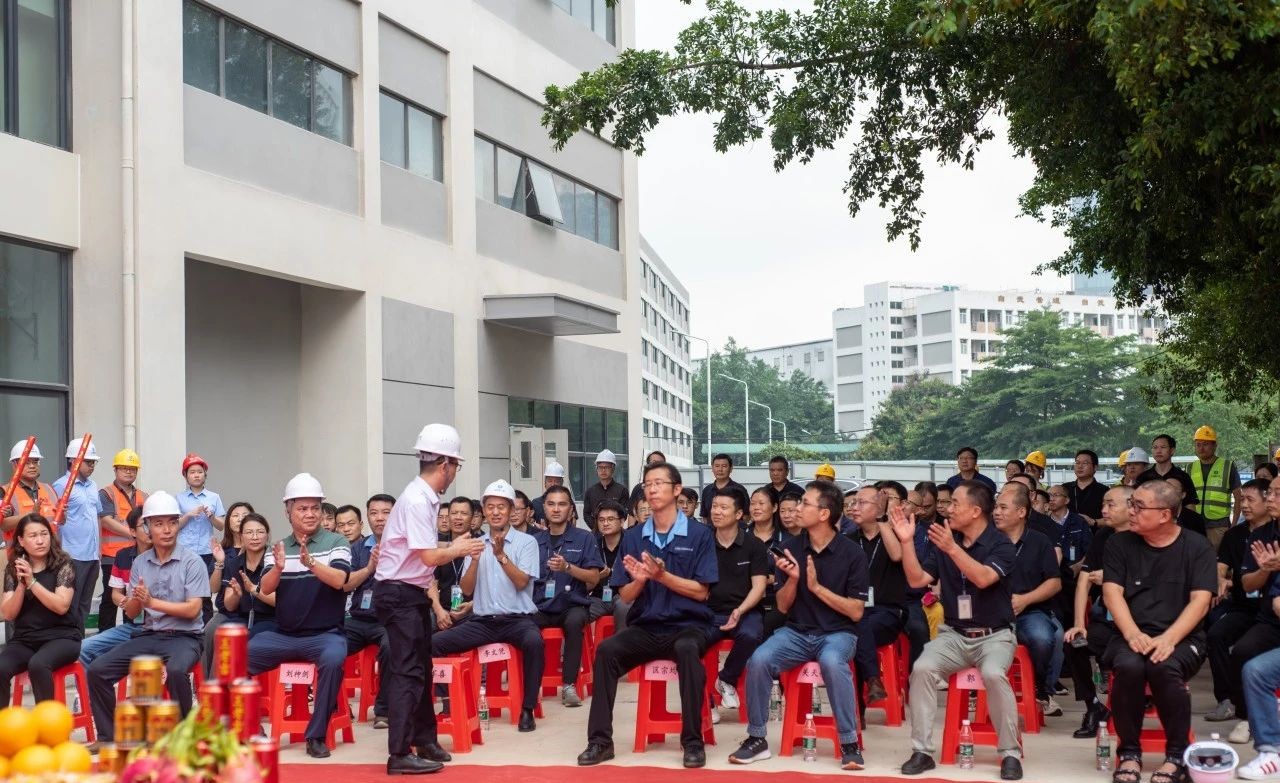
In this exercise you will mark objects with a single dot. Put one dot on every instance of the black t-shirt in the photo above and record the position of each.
(709, 492)
(235, 566)
(447, 576)
(1231, 553)
(992, 606)
(36, 623)
(842, 568)
(744, 558)
(610, 557)
(1087, 501)
(1045, 526)
(1158, 582)
(1266, 534)
(1191, 520)
(1093, 559)
(887, 579)
(1034, 561)
(1183, 477)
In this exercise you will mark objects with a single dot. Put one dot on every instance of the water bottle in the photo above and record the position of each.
(483, 709)
(810, 739)
(1102, 749)
(966, 746)
(775, 702)
(817, 700)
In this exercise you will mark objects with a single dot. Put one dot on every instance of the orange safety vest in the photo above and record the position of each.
(24, 503)
(112, 542)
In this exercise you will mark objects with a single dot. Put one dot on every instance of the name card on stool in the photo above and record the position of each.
(441, 674)
(970, 680)
(494, 652)
(811, 673)
(661, 670)
(297, 673)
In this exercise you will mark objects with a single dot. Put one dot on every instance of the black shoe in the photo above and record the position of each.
(1095, 716)
(316, 749)
(595, 753)
(919, 762)
(875, 690)
(752, 749)
(433, 752)
(851, 756)
(526, 721)
(1010, 769)
(1060, 690)
(694, 757)
(412, 765)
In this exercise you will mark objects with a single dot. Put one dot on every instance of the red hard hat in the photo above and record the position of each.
(193, 459)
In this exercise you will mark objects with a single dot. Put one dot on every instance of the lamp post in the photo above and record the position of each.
(707, 343)
(768, 415)
(784, 430)
(746, 412)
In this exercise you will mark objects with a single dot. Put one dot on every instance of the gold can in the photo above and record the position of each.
(110, 759)
(146, 678)
(130, 729)
(161, 718)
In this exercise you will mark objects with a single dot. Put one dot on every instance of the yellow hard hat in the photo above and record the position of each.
(1277, 455)
(825, 471)
(1037, 458)
(1206, 433)
(126, 458)
(1124, 457)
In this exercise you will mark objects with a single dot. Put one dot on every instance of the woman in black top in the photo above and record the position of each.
(39, 587)
(240, 600)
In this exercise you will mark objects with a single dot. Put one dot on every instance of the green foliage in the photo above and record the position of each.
(904, 426)
(1154, 127)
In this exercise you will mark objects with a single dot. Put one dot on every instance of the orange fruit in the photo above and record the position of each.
(4, 767)
(34, 760)
(73, 757)
(17, 730)
(53, 722)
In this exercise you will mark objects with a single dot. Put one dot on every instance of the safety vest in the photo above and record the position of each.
(111, 542)
(1214, 494)
(23, 503)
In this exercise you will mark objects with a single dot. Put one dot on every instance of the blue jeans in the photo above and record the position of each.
(1261, 677)
(1042, 634)
(789, 648)
(100, 642)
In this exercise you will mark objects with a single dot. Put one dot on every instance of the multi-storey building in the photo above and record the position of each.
(666, 374)
(814, 359)
(947, 332)
(285, 235)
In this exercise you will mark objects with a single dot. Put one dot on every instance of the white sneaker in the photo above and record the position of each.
(1050, 708)
(1265, 767)
(1240, 735)
(715, 716)
(728, 695)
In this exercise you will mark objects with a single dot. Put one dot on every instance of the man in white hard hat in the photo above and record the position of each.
(79, 528)
(605, 489)
(167, 584)
(409, 556)
(501, 580)
(307, 571)
(553, 476)
(31, 494)
(1136, 463)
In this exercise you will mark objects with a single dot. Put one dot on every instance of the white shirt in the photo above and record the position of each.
(411, 528)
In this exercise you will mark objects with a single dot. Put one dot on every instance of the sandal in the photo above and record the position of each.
(1175, 775)
(1132, 774)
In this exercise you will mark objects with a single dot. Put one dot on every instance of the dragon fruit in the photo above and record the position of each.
(151, 769)
(240, 769)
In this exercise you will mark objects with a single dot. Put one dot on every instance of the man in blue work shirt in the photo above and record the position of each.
(668, 568)
(79, 528)
(501, 581)
(362, 628)
(571, 565)
(202, 513)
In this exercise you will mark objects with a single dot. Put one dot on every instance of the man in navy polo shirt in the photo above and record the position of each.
(967, 469)
(571, 565)
(885, 613)
(973, 561)
(822, 588)
(668, 568)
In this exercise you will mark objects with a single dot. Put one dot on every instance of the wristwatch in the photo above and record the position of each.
(503, 560)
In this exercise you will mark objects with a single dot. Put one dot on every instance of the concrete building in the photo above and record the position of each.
(815, 359)
(286, 235)
(666, 371)
(946, 332)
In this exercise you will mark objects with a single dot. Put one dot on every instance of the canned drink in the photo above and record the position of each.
(231, 652)
(130, 728)
(110, 759)
(161, 718)
(244, 715)
(146, 678)
(266, 752)
(213, 702)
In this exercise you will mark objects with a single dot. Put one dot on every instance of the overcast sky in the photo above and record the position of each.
(767, 257)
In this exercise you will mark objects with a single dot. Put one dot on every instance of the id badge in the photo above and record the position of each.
(366, 600)
(1071, 554)
(1254, 594)
(549, 591)
(871, 596)
(455, 597)
(964, 607)
(607, 594)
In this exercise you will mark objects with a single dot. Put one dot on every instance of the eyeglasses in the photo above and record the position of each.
(1136, 505)
(455, 464)
(657, 484)
(607, 519)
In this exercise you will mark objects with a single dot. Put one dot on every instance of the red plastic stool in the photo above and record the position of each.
(797, 701)
(360, 671)
(1151, 740)
(984, 732)
(80, 720)
(462, 682)
(1022, 678)
(197, 677)
(289, 712)
(587, 679)
(903, 646)
(894, 702)
(713, 672)
(495, 660)
(653, 720)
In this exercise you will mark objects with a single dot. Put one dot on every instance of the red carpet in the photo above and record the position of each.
(359, 773)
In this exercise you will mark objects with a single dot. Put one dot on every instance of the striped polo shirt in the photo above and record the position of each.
(304, 604)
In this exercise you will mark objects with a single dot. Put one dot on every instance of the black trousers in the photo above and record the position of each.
(38, 661)
(362, 632)
(180, 651)
(572, 621)
(1100, 633)
(1261, 638)
(515, 629)
(1168, 682)
(86, 580)
(916, 628)
(107, 611)
(1225, 629)
(634, 646)
(405, 613)
(880, 625)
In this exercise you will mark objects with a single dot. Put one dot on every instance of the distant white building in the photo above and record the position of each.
(666, 372)
(946, 332)
(815, 359)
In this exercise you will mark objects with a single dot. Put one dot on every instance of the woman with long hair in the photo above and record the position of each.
(39, 589)
(230, 544)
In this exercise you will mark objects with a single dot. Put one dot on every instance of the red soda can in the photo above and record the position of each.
(231, 652)
(213, 702)
(266, 752)
(245, 713)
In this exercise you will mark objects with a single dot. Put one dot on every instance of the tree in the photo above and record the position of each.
(903, 426)
(1153, 125)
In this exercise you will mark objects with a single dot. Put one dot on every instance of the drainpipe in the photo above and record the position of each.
(128, 275)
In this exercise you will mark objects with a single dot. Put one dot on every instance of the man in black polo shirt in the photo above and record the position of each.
(744, 569)
(973, 561)
(1084, 494)
(1162, 450)
(822, 588)
(722, 469)
(779, 484)
(885, 612)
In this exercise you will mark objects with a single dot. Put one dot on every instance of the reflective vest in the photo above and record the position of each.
(1215, 493)
(111, 542)
(24, 501)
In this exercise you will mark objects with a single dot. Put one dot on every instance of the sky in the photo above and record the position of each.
(759, 251)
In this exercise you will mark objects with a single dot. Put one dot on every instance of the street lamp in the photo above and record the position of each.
(784, 430)
(746, 412)
(708, 345)
(769, 415)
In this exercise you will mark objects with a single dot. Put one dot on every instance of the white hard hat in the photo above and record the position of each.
(1136, 454)
(500, 489)
(554, 470)
(160, 504)
(15, 453)
(441, 440)
(606, 456)
(1211, 761)
(73, 450)
(303, 485)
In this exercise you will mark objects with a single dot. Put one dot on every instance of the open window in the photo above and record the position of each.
(541, 201)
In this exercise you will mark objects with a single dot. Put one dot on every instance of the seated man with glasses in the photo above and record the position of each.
(1158, 580)
(885, 611)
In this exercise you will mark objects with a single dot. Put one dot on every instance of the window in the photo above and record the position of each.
(821, 355)
(241, 64)
(35, 332)
(791, 360)
(964, 316)
(411, 138)
(808, 358)
(895, 305)
(589, 430)
(33, 70)
(595, 14)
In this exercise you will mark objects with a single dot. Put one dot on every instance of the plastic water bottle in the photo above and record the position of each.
(775, 702)
(966, 746)
(810, 739)
(483, 709)
(817, 700)
(1102, 750)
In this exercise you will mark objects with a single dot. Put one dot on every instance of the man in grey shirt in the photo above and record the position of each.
(166, 585)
